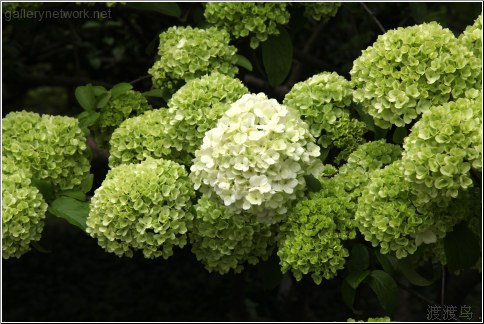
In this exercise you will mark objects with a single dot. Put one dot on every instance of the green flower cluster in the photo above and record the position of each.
(323, 102)
(472, 37)
(442, 148)
(23, 210)
(129, 104)
(390, 216)
(52, 148)
(311, 239)
(187, 53)
(372, 319)
(409, 70)
(320, 10)
(223, 241)
(196, 107)
(241, 19)
(142, 207)
(144, 136)
(256, 158)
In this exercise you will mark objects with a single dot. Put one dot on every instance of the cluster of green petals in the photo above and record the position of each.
(324, 101)
(445, 145)
(320, 10)
(255, 159)
(143, 207)
(129, 104)
(472, 38)
(23, 210)
(51, 148)
(241, 19)
(223, 241)
(408, 70)
(187, 53)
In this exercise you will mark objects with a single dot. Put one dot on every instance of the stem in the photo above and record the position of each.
(417, 294)
(144, 77)
(373, 17)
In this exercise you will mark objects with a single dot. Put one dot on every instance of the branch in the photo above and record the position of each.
(373, 17)
(144, 77)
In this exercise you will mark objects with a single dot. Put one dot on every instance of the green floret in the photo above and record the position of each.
(445, 145)
(147, 135)
(198, 105)
(129, 104)
(52, 148)
(372, 156)
(144, 207)
(241, 19)
(23, 210)
(187, 53)
(408, 70)
(472, 38)
(322, 10)
(223, 241)
(324, 101)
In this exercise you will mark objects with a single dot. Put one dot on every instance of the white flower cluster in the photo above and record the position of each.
(256, 157)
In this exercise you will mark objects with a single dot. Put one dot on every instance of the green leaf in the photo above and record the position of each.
(355, 278)
(103, 100)
(385, 288)
(85, 96)
(388, 262)
(165, 8)
(380, 133)
(366, 118)
(70, 209)
(312, 183)
(348, 294)
(277, 57)
(39, 247)
(99, 90)
(158, 93)
(359, 258)
(324, 153)
(411, 274)
(87, 119)
(462, 248)
(45, 187)
(86, 183)
(243, 62)
(399, 134)
(78, 195)
(120, 88)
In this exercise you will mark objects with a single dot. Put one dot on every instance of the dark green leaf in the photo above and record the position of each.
(244, 62)
(462, 248)
(355, 278)
(39, 248)
(99, 90)
(359, 258)
(166, 8)
(385, 288)
(86, 98)
(86, 184)
(411, 274)
(388, 262)
(277, 57)
(312, 183)
(78, 195)
(380, 133)
(348, 294)
(399, 134)
(45, 187)
(324, 153)
(103, 100)
(70, 209)
(158, 93)
(120, 88)
(87, 119)
(366, 118)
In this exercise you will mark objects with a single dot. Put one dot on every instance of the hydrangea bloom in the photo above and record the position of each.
(320, 10)
(442, 148)
(198, 105)
(242, 19)
(408, 70)
(23, 210)
(223, 241)
(52, 148)
(147, 135)
(323, 102)
(390, 216)
(142, 207)
(186, 53)
(129, 104)
(256, 158)
(472, 37)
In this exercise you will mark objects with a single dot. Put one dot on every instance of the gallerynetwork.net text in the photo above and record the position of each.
(57, 14)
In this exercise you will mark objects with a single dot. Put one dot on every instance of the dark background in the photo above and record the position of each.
(75, 280)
